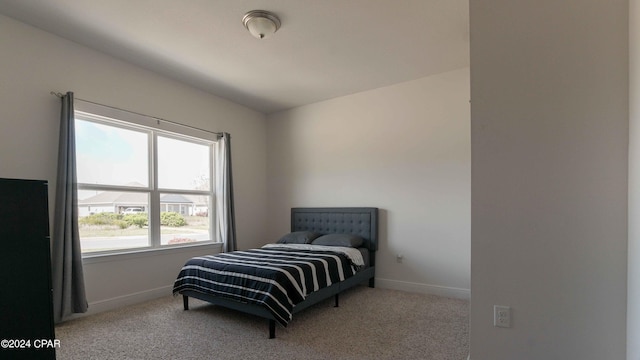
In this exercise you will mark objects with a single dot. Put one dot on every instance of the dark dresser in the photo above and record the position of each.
(26, 310)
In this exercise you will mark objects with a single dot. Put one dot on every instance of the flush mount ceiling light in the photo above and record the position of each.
(261, 23)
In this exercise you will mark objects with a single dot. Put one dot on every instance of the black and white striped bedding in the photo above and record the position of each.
(275, 277)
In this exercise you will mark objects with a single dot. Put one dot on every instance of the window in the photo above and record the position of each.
(141, 186)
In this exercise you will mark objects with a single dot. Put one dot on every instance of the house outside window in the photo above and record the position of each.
(141, 186)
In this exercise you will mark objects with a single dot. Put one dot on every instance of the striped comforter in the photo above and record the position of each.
(276, 278)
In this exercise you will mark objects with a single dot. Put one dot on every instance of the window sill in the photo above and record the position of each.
(147, 252)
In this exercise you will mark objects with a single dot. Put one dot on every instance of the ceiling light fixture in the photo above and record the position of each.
(261, 23)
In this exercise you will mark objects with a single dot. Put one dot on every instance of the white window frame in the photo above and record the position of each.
(153, 127)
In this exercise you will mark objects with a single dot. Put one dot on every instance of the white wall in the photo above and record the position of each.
(404, 149)
(633, 270)
(549, 125)
(34, 62)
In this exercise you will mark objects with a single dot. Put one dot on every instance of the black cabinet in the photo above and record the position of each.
(26, 310)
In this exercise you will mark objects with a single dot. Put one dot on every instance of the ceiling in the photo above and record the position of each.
(324, 48)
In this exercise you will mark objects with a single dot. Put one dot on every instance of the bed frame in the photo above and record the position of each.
(361, 221)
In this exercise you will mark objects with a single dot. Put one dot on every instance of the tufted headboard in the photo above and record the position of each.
(361, 221)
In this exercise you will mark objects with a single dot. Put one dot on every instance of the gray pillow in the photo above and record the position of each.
(345, 240)
(298, 237)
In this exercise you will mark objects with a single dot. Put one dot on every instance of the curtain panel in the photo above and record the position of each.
(224, 194)
(67, 275)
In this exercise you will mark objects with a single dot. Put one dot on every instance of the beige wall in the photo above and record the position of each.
(404, 149)
(33, 63)
(633, 269)
(549, 130)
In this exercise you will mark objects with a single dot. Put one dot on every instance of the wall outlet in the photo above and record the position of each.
(399, 258)
(501, 316)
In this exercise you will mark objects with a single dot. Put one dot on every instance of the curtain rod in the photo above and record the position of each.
(60, 95)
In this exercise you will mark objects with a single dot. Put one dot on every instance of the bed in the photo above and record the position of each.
(359, 222)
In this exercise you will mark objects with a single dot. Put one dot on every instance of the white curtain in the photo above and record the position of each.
(224, 194)
(67, 275)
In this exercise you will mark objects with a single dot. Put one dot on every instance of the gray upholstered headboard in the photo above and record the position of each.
(361, 221)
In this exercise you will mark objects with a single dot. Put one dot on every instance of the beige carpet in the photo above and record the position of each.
(369, 324)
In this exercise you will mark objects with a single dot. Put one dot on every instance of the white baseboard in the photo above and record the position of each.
(151, 294)
(125, 300)
(445, 291)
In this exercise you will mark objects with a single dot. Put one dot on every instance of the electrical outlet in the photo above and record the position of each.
(399, 258)
(501, 316)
